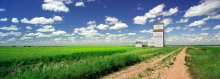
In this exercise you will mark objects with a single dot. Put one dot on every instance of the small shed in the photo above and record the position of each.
(139, 44)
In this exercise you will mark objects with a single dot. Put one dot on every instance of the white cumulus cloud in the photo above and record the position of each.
(42, 20)
(14, 20)
(151, 20)
(216, 27)
(197, 23)
(102, 27)
(58, 33)
(169, 29)
(25, 38)
(12, 27)
(48, 28)
(140, 20)
(80, 3)
(91, 23)
(146, 31)
(205, 7)
(111, 20)
(211, 17)
(207, 28)
(28, 27)
(167, 21)
(56, 5)
(153, 13)
(3, 19)
(170, 12)
(119, 26)
(183, 20)
(131, 33)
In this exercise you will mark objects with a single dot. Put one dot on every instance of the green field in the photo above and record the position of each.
(204, 62)
(71, 62)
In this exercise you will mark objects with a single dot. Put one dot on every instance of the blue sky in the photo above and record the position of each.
(107, 22)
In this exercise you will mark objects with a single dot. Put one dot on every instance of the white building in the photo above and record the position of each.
(138, 44)
(157, 40)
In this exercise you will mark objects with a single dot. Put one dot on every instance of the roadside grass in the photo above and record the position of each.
(204, 62)
(92, 67)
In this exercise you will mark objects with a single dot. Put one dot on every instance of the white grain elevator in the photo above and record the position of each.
(157, 39)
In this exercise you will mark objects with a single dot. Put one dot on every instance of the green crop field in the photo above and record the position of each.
(72, 62)
(204, 62)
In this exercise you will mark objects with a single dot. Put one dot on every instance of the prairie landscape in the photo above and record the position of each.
(92, 62)
(109, 39)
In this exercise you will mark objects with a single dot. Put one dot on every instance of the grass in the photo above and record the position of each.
(76, 63)
(204, 62)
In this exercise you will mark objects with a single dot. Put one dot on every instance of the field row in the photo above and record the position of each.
(90, 64)
(204, 62)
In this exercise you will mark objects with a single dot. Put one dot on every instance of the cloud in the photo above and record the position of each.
(28, 27)
(157, 10)
(216, 27)
(11, 39)
(131, 33)
(119, 26)
(57, 18)
(56, 5)
(1, 9)
(79, 4)
(205, 7)
(42, 20)
(14, 20)
(178, 27)
(193, 39)
(102, 27)
(140, 20)
(140, 8)
(169, 29)
(111, 20)
(170, 12)
(90, 0)
(158, 18)
(91, 23)
(59, 32)
(191, 29)
(153, 13)
(197, 23)
(207, 28)
(68, 1)
(151, 20)
(204, 34)
(47, 28)
(3, 19)
(57, 39)
(183, 20)
(10, 33)
(147, 31)
(167, 21)
(25, 38)
(12, 27)
(86, 32)
(211, 17)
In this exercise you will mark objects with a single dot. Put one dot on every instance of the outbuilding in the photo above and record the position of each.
(139, 44)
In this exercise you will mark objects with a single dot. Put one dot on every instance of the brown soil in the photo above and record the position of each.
(134, 70)
(178, 70)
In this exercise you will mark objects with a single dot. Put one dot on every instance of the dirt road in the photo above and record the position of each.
(178, 70)
(134, 70)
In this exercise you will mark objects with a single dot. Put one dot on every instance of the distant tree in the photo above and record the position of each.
(25, 46)
(14, 46)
